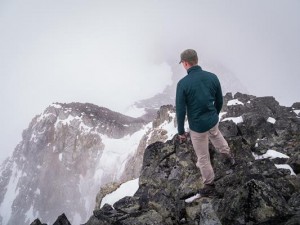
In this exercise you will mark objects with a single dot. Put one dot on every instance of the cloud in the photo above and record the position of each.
(112, 53)
(104, 58)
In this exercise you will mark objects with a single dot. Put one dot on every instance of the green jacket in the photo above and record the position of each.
(198, 94)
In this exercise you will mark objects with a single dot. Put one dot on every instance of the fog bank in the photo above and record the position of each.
(114, 53)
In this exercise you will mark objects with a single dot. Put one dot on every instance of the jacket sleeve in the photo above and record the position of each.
(180, 108)
(218, 97)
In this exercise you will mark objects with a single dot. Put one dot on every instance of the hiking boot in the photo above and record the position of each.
(208, 190)
(228, 159)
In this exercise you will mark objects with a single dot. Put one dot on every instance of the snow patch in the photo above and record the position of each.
(221, 115)
(10, 195)
(30, 216)
(60, 156)
(169, 126)
(271, 154)
(297, 111)
(43, 116)
(37, 192)
(76, 219)
(271, 120)
(84, 128)
(134, 111)
(234, 102)
(126, 189)
(56, 105)
(85, 187)
(33, 138)
(66, 121)
(191, 199)
(117, 152)
(236, 120)
(286, 166)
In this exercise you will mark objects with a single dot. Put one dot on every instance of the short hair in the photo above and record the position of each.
(189, 56)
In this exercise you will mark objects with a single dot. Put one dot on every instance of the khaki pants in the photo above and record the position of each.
(200, 144)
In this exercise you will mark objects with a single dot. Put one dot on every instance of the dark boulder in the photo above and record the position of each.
(296, 105)
(62, 220)
(243, 97)
(294, 162)
(255, 202)
(37, 222)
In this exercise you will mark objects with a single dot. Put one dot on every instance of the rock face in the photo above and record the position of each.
(260, 189)
(168, 176)
(62, 220)
(162, 129)
(104, 190)
(57, 166)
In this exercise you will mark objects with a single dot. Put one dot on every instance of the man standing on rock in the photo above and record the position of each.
(199, 95)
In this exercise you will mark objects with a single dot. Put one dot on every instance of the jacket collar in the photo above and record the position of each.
(194, 68)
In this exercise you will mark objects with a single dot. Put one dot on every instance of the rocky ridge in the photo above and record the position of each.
(262, 188)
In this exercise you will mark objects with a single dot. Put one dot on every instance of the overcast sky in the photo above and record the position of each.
(112, 53)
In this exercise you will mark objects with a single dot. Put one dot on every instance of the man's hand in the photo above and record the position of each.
(182, 137)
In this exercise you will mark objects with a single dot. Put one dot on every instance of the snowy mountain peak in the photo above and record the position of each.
(58, 166)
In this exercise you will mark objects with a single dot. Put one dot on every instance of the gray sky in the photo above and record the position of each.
(112, 53)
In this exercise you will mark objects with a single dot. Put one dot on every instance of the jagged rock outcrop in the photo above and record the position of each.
(57, 166)
(169, 175)
(256, 194)
(296, 105)
(259, 189)
(62, 220)
(37, 222)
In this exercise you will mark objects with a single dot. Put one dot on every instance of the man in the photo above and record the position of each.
(199, 95)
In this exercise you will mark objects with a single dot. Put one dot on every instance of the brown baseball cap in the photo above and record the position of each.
(189, 56)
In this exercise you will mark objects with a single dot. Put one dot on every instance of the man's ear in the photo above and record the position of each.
(186, 64)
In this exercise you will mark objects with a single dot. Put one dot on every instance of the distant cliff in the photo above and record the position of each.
(60, 162)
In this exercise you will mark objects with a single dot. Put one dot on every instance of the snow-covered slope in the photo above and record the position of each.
(66, 154)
